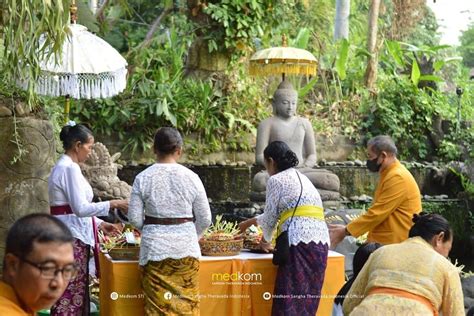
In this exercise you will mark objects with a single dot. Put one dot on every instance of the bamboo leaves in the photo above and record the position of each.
(22, 24)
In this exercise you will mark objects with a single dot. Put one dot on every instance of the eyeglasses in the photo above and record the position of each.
(69, 271)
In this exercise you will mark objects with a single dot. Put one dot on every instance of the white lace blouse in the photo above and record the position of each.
(169, 190)
(283, 190)
(67, 186)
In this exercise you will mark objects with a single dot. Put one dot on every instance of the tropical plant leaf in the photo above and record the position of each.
(231, 119)
(85, 16)
(341, 62)
(395, 51)
(302, 39)
(431, 78)
(415, 73)
(437, 65)
(307, 88)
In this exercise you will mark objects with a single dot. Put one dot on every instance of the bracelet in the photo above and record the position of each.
(347, 232)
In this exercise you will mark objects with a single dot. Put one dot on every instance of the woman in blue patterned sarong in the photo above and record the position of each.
(298, 283)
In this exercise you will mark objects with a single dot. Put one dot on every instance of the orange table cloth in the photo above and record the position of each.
(237, 285)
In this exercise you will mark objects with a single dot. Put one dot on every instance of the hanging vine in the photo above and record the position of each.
(22, 24)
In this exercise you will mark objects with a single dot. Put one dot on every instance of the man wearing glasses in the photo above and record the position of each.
(38, 265)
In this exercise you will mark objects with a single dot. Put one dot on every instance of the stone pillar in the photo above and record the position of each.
(24, 183)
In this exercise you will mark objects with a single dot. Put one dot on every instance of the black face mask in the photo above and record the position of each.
(372, 165)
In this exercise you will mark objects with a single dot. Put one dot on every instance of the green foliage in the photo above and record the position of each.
(221, 112)
(461, 78)
(302, 39)
(86, 17)
(405, 113)
(22, 24)
(426, 30)
(457, 145)
(449, 150)
(236, 23)
(466, 47)
(158, 94)
(468, 196)
(341, 61)
(127, 23)
(457, 215)
(240, 25)
(466, 183)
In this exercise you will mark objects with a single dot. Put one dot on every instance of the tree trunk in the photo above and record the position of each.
(371, 71)
(154, 27)
(341, 22)
(200, 63)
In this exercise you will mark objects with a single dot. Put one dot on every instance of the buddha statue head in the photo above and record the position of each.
(285, 100)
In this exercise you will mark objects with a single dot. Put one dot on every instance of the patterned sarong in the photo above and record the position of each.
(171, 287)
(75, 300)
(298, 283)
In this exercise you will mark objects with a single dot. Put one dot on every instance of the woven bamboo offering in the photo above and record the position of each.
(125, 253)
(118, 247)
(221, 239)
(221, 247)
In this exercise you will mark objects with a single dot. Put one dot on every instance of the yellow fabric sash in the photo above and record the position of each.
(301, 211)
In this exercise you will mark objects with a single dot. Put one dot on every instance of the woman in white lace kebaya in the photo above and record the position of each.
(169, 205)
(298, 283)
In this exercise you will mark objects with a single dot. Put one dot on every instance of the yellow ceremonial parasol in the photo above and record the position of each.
(283, 60)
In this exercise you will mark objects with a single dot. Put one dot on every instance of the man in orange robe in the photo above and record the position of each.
(397, 198)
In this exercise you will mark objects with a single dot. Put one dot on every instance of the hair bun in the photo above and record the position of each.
(64, 132)
(291, 158)
(420, 216)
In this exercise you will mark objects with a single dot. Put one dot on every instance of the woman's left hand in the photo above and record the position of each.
(246, 224)
(337, 233)
(111, 229)
(266, 246)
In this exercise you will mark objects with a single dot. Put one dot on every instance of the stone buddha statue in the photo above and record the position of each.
(297, 132)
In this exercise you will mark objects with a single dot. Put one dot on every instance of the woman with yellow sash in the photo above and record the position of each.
(410, 278)
(298, 283)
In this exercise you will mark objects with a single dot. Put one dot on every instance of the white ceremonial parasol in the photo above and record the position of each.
(87, 68)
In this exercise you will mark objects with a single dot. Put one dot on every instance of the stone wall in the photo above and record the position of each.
(23, 184)
(337, 148)
(233, 183)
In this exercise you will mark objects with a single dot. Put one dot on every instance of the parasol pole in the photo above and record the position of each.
(284, 43)
(73, 12)
(67, 106)
(72, 20)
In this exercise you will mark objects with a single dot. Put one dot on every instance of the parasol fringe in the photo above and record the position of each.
(81, 86)
(261, 69)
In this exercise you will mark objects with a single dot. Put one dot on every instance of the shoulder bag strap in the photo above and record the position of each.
(298, 202)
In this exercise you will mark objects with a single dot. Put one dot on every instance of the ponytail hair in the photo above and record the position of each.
(70, 134)
(428, 225)
(283, 156)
